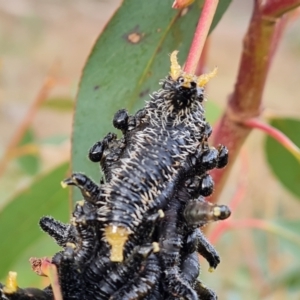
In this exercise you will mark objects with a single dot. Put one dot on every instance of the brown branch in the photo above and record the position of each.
(277, 8)
(260, 44)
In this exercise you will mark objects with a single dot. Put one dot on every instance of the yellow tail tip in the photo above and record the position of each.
(156, 247)
(11, 284)
(116, 236)
(63, 184)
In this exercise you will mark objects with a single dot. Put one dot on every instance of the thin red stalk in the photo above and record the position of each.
(248, 223)
(201, 33)
(203, 59)
(218, 231)
(50, 270)
(231, 224)
(260, 43)
(276, 134)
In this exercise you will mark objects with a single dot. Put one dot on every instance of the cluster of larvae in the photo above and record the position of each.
(136, 235)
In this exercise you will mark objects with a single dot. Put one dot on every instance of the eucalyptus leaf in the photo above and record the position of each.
(19, 218)
(282, 163)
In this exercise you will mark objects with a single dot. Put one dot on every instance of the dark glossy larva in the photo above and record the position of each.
(136, 235)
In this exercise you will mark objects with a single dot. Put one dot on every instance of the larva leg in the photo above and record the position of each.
(222, 156)
(62, 233)
(171, 241)
(89, 190)
(205, 249)
(200, 186)
(190, 267)
(70, 278)
(120, 273)
(84, 217)
(120, 120)
(204, 292)
(97, 150)
(197, 243)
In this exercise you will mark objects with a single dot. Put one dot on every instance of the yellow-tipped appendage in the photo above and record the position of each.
(11, 284)
(216, 211)
(63, 184)
(204, 78)
(176, 72)
(116, 236)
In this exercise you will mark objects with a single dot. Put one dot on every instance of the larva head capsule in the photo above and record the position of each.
(187, 88)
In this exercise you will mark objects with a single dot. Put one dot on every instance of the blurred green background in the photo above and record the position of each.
(37, 35)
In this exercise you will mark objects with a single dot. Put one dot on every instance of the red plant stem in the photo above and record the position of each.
(236, 224)
(276, 134)
(276, 8)
(248, 223)
(50, 270)
(218, 231)
(260, 44)
(201, 33)
(203, 59)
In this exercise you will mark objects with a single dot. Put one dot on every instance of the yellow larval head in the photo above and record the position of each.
(116, 236)
(176, 72)
(11, 284)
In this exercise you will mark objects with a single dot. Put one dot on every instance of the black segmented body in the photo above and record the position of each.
(141, 178)
(167, 146)
(156, 176)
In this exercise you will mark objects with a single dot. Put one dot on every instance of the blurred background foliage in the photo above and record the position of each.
(43, 48)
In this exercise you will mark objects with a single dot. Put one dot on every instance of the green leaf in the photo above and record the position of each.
(125, 65)
(283, 164)
(289, 279)
(62, 104)
(19, 218)
(30, 163)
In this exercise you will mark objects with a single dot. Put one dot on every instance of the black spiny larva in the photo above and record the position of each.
(161, 141)
(136, 236)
